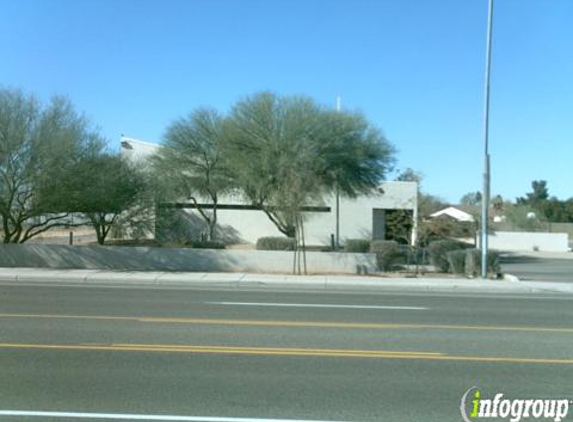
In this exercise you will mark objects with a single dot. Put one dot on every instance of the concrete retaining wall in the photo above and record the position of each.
(166, 259)
(529, 241)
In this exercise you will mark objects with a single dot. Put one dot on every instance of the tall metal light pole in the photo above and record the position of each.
(338, 103)
(486, 165)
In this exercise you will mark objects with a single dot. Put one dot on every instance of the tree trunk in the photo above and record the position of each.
(99, 234)
(289, 230)
(213, 222)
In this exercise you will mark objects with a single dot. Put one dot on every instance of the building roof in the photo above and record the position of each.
(135, 149)
(455, 213)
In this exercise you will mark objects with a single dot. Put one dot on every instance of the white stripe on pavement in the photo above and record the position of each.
(129, 417)
(317, 305)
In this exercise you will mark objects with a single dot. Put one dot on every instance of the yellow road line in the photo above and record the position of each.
(52, 316)
(372, 326)
(276, 349)
(286, 352)
(307, 324)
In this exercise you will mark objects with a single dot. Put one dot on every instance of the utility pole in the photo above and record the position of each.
(486, 164)
(337, 244)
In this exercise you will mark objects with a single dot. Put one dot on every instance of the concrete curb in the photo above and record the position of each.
(277, 281)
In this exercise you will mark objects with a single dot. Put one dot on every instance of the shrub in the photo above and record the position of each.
(275, 244)
(473, 263)
(133, 242)
(414, 255)
(420, 256)
(457, 261)
(494, 263)
(388, 253)
(357, 245)
(438, 251)
(207, 244)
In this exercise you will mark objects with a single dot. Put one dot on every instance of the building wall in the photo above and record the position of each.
(356, 217)
(529, 241)
(356, 214)
(125, 258)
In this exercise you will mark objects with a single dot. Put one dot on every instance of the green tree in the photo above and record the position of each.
(410, 175)
(38, 146)
(558, 211)
(190, 164)
(399, 225)
(288, 152)
(547, 208)
(537, 197)
(498, 203)
(472, 199)
(429, 204)
(105, 188)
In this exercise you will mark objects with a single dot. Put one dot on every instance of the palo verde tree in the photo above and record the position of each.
(189, 165)
(289, 152)
(104, 188)
(262, 139)
(38, 145)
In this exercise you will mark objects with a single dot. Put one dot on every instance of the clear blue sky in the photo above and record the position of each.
(414, 67)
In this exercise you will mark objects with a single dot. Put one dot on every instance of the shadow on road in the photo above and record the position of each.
(533, 268)
(519, 259)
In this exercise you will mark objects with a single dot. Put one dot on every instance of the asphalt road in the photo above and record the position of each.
(529, 268)
(274, 355)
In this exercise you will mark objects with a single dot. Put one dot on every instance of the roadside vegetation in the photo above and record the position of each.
(55, 170)
(276, 153)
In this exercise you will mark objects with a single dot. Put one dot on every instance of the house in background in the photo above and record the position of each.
(508, 238)
(240, 222)
(455, 213)
(467, 213)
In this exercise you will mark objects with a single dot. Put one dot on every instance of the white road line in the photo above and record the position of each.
(317, 305)
(129, 417)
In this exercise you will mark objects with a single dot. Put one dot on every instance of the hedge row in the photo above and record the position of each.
(357, 245)
(275, 244)
(447, 256)
(468, 262)
(388, 252)
(439, 250)
(207, 244)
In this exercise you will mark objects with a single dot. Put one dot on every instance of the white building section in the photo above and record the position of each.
(135, 150)
(360, 218)
(529, 241)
